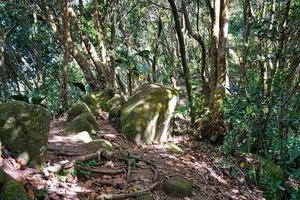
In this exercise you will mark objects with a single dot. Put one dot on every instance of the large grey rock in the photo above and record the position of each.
(146, 116)
(24, 130)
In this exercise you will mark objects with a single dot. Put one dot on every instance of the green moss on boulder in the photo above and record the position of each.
(173, 148)
(92, 102)
(77, 109)
(177, 187)
(100, 144)
(115, 105)
(268, 175)
(11, 189)
(146, 116)
(103, 97)
(83, 122)
(24, 129)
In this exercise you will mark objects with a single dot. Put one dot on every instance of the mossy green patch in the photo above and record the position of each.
(177, 187)
(24, 129)
(100, 144)
(173, 148)
(115, 105)
(11, 189)
(83, 122)
(78, 109)
(268, 175)
(103, 97)
(92, 102)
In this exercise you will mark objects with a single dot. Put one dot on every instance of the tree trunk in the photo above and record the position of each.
(3, 77)
(113, 41)
(100, 41)
(185, 68)
(66, 36)
(154, 61)
(83, 63)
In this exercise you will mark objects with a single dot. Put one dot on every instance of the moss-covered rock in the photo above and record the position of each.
(24, 129)
(92, 103)
(100, 144)
(78, 109)
(11, 189)
(103, 98)
(83, 122)
(173, 148)
(266, 174)
(115, 105)
(177, 187)
(146, 116)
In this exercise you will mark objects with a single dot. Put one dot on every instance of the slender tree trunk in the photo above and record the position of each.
(246, 16)
(66, 35)
(84, 64)
(100, 41)
(38, 53)
(3, 77)
(185, 68)
(159, 30)
(113, 41)
(201, 43)
(91, 50)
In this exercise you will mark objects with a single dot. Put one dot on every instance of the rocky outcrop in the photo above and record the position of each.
(92, 102)
(146, 116)
(78, 109)
(83, 122)
(115, 106)
(177, 187)
(24, 130)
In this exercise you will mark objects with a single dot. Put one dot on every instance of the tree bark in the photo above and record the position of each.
(66, 36)
(2, 67)
(113, 41)
(100, 41)
(155, 52)
(83, 63)
(185, 67)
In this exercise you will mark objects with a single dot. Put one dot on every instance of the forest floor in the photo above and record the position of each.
(212, 174)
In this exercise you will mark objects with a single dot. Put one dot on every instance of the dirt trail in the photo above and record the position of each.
(211, 175)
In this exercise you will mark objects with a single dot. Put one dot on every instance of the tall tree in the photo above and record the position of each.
(2, 65)
(66, 36)
(184, 62)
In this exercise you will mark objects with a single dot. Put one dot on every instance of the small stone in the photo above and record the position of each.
(177, 187)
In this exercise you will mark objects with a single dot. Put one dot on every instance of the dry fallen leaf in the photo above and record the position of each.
(88, 184)
(108, 189)
(31, 194)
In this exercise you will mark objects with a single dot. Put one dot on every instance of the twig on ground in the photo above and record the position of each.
(128, 195)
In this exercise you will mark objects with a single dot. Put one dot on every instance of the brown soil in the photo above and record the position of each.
(212, 174)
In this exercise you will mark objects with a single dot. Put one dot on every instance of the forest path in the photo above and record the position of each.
(207, 169)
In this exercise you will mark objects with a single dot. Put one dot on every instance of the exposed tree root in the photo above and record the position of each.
(60, 166)
(102, 171)
(128, 195)
(99, 182)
